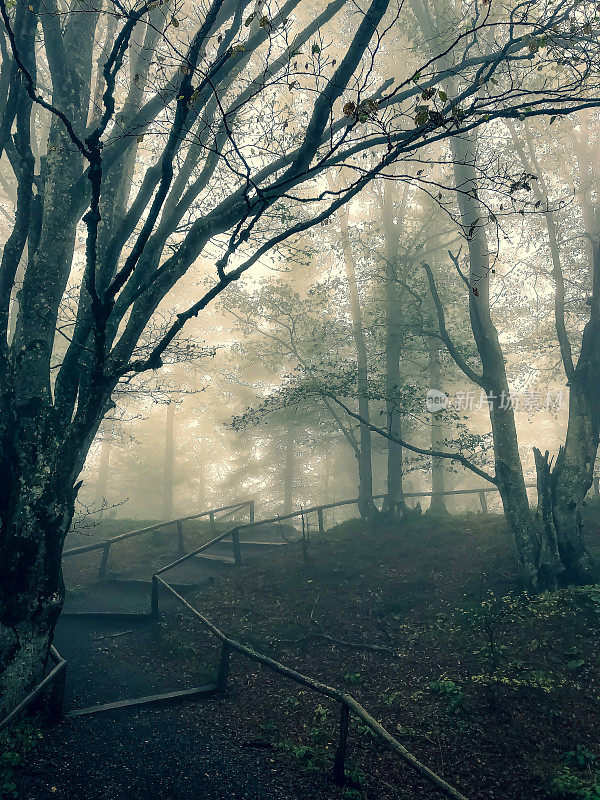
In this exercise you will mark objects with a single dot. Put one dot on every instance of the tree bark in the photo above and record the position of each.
(38, 496)
(41, 455)
(573, 473)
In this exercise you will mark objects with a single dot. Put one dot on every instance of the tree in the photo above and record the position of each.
(366, 506)
(437, 506)
(194, 134)
(564, 485)
(169, 460)
(393, 344)
(550, 546)
(286, 330)
(48, 423)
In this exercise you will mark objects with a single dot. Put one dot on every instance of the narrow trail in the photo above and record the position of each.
(100, 613)
(176, 750)
(95, 676)
(155, 754)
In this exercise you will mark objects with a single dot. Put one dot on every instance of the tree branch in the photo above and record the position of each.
(444, 335)
(434, 453)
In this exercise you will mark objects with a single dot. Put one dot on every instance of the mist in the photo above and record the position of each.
(299, 400)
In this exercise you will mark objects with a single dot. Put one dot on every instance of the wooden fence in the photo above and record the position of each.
(348, 705)
(226, 511)
(54, 682)
(106, 544)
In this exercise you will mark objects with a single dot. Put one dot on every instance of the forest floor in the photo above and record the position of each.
(496, 691)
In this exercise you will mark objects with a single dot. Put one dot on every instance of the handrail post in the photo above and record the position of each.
(180, 542)
(211, 518)
(483, 501)
(154, 598)
(251, 510)
(339, 763)
(103, 562)
(237, 551)
(321, 523)
(223, 673)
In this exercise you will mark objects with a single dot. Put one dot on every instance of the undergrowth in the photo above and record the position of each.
(15, 744)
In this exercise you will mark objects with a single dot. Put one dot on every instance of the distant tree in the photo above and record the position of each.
(286, 331)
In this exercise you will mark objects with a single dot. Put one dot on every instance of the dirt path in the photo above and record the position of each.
(96, 672)
(160, 754)
(181, 752)
(193, 750)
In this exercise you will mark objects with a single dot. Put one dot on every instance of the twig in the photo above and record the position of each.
(375, 648)
(113, 635)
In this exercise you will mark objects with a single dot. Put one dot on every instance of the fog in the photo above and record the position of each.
(299, 400)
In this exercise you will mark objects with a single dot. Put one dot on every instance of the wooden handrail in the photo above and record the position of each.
(196, 551)
(323, 689)
(55, 674)
(318, 509)
(232, 508)
(122, 536)
(354, 501)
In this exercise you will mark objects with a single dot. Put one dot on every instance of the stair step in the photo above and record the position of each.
(221, 559)
(257, 544)
(153, 699)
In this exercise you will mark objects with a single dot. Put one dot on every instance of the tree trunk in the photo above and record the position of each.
(573, 473)
(538, 562)
(169, 462)
(530, 548)
(41, 455)
(536, 551)
(394, 501)
(36, 510)
(437, 507)
(366, 506)
(288, 470)
(567, 483)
